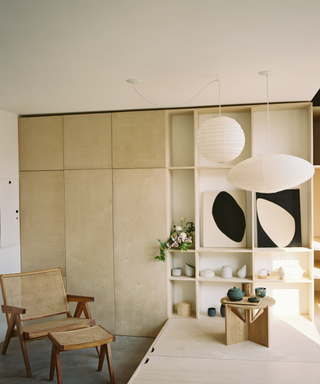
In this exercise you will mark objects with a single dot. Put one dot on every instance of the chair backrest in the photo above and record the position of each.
(41, 293)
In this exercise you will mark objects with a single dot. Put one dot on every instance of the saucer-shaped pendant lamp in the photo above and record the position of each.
(220, 139)
(270, 173)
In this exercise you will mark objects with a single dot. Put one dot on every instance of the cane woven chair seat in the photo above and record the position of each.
(67, 324)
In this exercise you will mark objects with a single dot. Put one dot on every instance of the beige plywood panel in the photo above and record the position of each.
(42, 220)
(138, 139)
(89, 240)
(140, 280)
(40, 143)
(87, 141)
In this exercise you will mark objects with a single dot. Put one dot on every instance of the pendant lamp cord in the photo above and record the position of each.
(267, 76)
(158, 105)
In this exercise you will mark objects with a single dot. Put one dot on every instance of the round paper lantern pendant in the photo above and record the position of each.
(220, 139)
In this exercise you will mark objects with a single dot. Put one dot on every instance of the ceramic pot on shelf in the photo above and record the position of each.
(189, 269)
(242, 272)
(226, 272)
(176, 272)
(263, 273)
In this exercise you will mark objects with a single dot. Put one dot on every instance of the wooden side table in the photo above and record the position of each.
(247, 321)
(82, 338)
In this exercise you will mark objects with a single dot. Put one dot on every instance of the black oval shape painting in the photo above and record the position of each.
(229, 216)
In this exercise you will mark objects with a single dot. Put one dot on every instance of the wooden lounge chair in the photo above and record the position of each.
(37, 295)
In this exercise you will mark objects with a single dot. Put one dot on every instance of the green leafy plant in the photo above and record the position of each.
(181, 237)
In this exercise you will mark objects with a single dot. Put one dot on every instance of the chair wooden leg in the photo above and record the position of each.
(58, 365)
(106, 350)
(101, 357)
(23, 347)
(110, 364)
(8, 334)
(52, 364)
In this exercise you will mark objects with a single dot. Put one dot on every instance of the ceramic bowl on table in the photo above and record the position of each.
(260, 292)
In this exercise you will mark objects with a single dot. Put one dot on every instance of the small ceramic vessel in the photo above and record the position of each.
(189, 269)
(253, 299)
(263, 273)
(207, 273)
(212, 312)
(260, 292)
(226, 272)
(235, 294)
(176, 272)
(242, 272)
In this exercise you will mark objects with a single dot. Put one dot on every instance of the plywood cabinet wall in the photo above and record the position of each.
(98, 223)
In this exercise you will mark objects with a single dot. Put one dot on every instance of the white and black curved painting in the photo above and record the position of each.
(278, 219)
(223, 219)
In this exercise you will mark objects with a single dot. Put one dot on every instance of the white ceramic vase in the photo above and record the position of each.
(242, 272)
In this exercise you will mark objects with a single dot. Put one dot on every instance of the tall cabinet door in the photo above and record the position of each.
(139, 182)
(41, 193)
(89, 240)
(42, 220)
(140, 281)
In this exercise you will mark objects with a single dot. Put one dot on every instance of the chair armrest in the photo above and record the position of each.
(82, 305)
(79, 298)
(10, 309)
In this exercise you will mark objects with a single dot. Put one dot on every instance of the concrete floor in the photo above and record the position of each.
(78, 367)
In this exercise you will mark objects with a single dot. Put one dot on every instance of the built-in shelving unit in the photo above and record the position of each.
(189, 175)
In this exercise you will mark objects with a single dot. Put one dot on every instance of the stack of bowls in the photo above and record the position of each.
(207, 273)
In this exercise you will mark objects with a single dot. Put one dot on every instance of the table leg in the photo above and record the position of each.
(236, 325)
(259, 327)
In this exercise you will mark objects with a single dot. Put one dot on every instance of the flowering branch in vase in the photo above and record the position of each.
(181, 237)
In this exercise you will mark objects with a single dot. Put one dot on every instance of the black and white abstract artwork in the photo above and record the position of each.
(279, 219)
(223, 219)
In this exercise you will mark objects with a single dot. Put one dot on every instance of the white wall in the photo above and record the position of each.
(9, 168)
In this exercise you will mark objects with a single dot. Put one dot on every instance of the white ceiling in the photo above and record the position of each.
(59, 56)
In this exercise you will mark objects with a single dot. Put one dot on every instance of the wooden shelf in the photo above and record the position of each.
(287, 249)
(218, 279)
(223, 250)
(182, 278)
(276, 279)
(180, 168)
